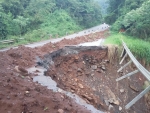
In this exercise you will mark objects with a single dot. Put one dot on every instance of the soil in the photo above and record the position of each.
(92, 76)
(88, 74)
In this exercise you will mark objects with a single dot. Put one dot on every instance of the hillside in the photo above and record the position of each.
(130, 15)
(42, 18)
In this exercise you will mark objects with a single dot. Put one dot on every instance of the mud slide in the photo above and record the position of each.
(88, 72)
(66, 80)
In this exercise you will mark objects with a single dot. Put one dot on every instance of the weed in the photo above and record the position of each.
(140, 48)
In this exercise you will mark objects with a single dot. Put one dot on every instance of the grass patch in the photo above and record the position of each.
(40, 35)
(54, 26)
(140, 48)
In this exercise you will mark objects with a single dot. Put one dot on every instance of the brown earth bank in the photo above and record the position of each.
(91, 73)
(18, 92)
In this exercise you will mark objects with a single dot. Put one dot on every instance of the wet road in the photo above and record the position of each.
(98, 28)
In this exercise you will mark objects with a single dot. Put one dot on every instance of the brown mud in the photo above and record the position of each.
(88, 74)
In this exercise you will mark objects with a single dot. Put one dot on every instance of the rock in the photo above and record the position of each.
(72, 91)
(27, 92)
(103, 67)
(53, 46)
(116, 102)
(86, 59)
(21, 70)
(8, 97)
(99, 71)
(94, 67)
(79, 70)
(60, 90)
(60, 111)
(110, 107)
(120, 108)
(87, 97)
(62, 96)
(133, 88)
(122, 91)
(75, 79)
(76, 57)
(93, 89)
(17, 69)
(84, 62)
(92, 74)
(111, 100)
(81, 86)
(107, 61)
(106, 102)
(110, 96)
(87, 101)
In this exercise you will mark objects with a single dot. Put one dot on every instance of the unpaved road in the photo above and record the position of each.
(98, 28)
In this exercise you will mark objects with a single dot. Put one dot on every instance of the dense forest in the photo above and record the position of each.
(40, 18)
(37, 18)
(104, 6)
(131, 16)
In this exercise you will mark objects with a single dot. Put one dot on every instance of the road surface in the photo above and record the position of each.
(98, 28)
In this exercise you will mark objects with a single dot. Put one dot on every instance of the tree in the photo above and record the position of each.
(12, 6)
(137, 22)
(22, 22)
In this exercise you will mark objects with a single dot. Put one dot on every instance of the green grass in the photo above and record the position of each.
(54, 26)
(140, 48)
(39, 35)
(35, 36)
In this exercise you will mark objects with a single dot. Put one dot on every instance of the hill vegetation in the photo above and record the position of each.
(131, 16)
(104, 5)
(42, 18)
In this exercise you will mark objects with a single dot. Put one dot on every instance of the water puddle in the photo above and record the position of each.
(95, 43)
(51, 84)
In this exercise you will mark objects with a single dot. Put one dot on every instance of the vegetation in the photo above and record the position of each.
(36, 19)
(139, 47)
(104, 6)
(130, 15)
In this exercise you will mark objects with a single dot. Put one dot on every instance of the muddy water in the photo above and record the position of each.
(51, 84)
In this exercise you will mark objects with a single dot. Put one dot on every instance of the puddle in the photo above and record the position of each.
(95, 43)
(51, 84)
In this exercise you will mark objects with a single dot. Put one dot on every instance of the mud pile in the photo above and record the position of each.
(47, 48)
(83, 71)
(88, 72)
(19, 94)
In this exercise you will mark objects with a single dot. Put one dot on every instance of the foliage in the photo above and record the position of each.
(114, 10)
(21, 17)
(137, 22)
(86, 12)
(140, 48)
(104, 6)
(130, 15)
